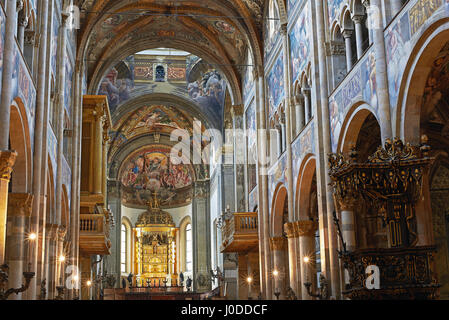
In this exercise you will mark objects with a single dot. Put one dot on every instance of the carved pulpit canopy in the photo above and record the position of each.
(391, 181)
(154, 215)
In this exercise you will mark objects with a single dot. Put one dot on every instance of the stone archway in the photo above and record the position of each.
(278, 242)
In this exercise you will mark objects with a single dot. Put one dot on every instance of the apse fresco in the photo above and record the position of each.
(300, 43)
(275, 82)
(153, 118)
(334, 8)
(151, 170)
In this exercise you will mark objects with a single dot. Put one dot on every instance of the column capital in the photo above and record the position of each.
(366, 3)
(277, 243)
(7, 160)
(348, 203)
(358, 18)
(64, 19)
(19, 5)
(283, 29)
(290, 230)
(20, 204)
(61, 232)
(347, 33)
(306, 228)
(237, 110)
(335, 48)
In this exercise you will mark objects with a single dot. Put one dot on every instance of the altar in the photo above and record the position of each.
(155, 245)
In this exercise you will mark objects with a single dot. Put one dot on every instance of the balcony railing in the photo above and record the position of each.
(403, 273)
(240, 232)
(94, 234)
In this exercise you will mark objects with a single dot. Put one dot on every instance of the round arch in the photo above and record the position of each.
(277, 210)
(19, 135)
(303, 187)
(353, 124)
(407, 118)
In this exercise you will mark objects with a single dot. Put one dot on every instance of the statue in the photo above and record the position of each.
(43, 290)
(181, 278)
(130, 279)
(217, 274)
(189, 284)
(291, 294)
(123, 283)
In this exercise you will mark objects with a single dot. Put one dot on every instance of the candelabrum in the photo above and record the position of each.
(323, 293)
(5, 293)
(277, 293)
(60, 295)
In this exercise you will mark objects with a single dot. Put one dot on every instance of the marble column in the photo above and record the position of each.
(358, 21)
(383, 96)
(277, 245)
(300, 120)
(262, 185)
(329, 258)
(347, 34)
(307, 108)
(60, 123)
(38, 159)
(7, 160)
(23, 22)
(201, 236)
(348, 223)
(7, 83)
(306, 233)
(51, 236)
(19, 212)
(98, 153)
(293, 258)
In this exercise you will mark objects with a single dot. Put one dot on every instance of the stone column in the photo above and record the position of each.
(201, 236)
(23, 22)
(347, 34)
(300, 121)
(262, 185)
(293, 258)
(38, 159)
(59, 277)
(7, 160)
(375, 21)
(358, 20)
(306, 232)
(8, 69)
(60, 123)
(19, 212)
(277, 245)
(51, 258)
(307, 109)
(327, 229)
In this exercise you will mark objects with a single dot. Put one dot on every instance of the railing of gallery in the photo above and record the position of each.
(92, 223)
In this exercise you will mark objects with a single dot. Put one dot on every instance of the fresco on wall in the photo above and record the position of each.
(163, 119)
(250, 118)
(277, 174)
(52, 147)
(397, 43)
(271, 29)
(248, 82)
(275, 83)
(334, 8)
(135, 76)
(251, 133)
(151, 170)
(399, 39)
(300, 43)
(360, 87)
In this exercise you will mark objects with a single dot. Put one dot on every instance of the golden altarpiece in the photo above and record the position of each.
(155, 245)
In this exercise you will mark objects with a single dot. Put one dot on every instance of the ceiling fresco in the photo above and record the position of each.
(150, 170)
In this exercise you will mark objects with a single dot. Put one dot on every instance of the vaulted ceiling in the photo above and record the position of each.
(219, 32)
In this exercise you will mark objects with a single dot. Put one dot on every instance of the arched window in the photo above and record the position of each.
(123, 249)
(189, 254)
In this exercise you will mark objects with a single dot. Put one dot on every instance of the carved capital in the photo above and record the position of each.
(335, 48)
(283, 29)
(358, 18)
(62, 231)
(347, 33)
(277, 243)
(20, 204)
(7, 160)
(306, 228)
(30, 37)
(290, 230)
(237, 110)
